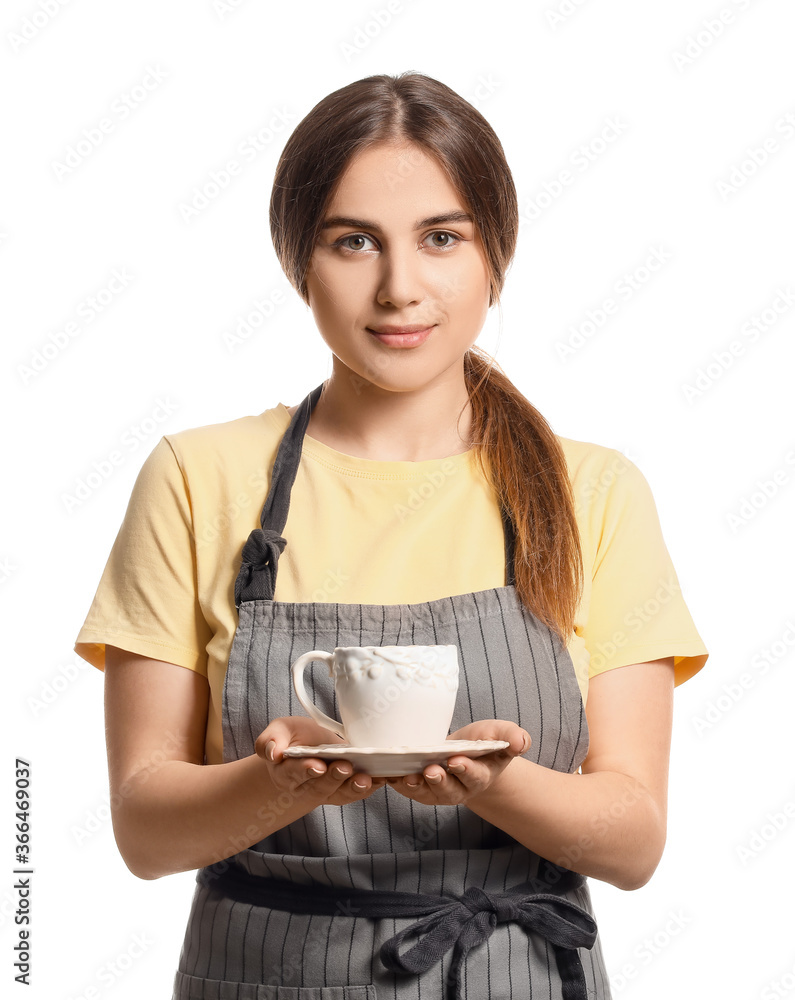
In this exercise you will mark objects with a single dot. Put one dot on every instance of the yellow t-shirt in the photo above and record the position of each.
(361, 531)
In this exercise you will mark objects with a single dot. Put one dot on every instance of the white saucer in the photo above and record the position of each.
(392, 762)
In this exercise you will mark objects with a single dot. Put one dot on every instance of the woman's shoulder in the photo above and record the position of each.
(583, 458)
(603, 480)
(251, 435)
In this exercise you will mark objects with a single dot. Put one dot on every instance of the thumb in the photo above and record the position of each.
(272, 740)
(520, 741)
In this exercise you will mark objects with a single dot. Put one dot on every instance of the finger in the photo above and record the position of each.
(353, 787)
(523, 740)
(457, 766)
(413, 780)
(316, 767)
(518, 739)
(355, 783)
(325, 777)
(439, 787)
(339, 771)
(460, 764)
(290, 774)
(405, 783)
(474, 775)
(363, 784)
(434, 774)
(332, 772)
(495, 729)
(272, 741)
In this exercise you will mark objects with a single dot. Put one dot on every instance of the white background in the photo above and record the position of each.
(549, 85)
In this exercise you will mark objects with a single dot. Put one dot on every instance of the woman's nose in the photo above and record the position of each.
(400, 278)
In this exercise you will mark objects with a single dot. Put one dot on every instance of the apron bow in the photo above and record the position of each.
(470, 919)
(445, 922)
(257, 577)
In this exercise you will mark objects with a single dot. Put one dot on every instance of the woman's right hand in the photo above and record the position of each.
(331, 782)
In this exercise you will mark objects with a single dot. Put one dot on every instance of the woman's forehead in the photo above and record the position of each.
(398, 182)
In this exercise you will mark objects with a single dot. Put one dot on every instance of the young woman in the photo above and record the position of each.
(413, 498)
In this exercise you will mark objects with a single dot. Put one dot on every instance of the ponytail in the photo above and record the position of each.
(522, 459)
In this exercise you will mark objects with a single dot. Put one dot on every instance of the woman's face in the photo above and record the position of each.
(398, 249)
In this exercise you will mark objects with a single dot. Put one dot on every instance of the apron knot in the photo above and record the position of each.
(468, 920)
(257, 577)
(503, 906)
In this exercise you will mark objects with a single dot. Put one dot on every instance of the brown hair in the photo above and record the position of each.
(515, 446)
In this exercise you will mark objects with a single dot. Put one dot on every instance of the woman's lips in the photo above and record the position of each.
(403, 339)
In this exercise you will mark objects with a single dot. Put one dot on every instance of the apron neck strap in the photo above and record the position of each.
(256, 580)
(285, 467)
(507, 527)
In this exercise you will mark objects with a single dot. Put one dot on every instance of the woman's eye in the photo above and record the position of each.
(450, 240)
(353, 243)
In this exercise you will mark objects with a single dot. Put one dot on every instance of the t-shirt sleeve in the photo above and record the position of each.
(147, 599)
(637, 609)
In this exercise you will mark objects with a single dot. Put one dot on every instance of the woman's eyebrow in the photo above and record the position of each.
(432, 220)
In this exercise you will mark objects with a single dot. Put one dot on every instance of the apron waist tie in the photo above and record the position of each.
(448, 921)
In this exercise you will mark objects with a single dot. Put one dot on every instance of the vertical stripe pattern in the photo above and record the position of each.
(511, 667)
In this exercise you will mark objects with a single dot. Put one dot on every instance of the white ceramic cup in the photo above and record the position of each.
(388, 696)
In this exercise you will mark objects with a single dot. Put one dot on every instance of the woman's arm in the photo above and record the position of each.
(610, 821)
(173, 813)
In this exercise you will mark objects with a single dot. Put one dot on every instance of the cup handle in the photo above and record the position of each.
(298, 681)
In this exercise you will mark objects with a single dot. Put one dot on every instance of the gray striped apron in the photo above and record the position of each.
(262, 925)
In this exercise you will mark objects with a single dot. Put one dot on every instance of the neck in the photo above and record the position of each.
(414, 425)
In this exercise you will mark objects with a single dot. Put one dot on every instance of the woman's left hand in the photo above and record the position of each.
(465, 776)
